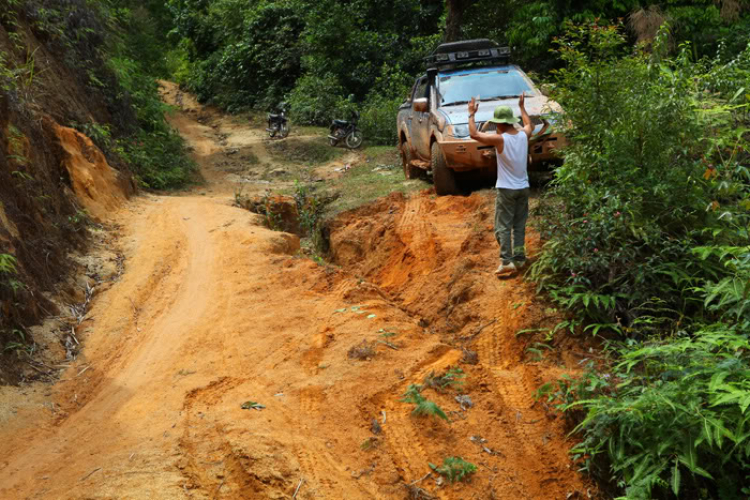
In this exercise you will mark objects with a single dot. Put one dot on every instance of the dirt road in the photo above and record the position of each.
(214, 310)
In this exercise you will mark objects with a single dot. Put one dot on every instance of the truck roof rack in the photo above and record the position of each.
(457, 54)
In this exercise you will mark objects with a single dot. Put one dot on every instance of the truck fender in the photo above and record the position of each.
(436, 136)
(404, 132)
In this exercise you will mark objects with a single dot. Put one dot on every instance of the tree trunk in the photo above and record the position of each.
(454, 21)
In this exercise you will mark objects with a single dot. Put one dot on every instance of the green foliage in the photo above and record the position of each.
(113, 47)
(315, 54)
(455, 469)
(7, 76)
(7, 263)
(452, 378)
(177, 62)
(530, 27)
(8, 270)
(155, 152)
(310, 210)
(653, 170)
(422, 406)
(318, 100)
(380, 108)
(671, 416)
(158, 158)
(20, 346)
(647, 240)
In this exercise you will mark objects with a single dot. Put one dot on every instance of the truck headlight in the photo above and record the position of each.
(460, 130)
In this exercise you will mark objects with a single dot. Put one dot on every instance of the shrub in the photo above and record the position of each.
(378, 119)
(318, 100)
(452, 378)
(422, 406)
(155, 152)
(647, 238)
(379, 112)
(455, 469)
(647, 177)
(671, 417)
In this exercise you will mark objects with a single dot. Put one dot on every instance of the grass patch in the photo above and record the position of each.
(309, 130)
(307, 151)
(380, 175)
(382, 154)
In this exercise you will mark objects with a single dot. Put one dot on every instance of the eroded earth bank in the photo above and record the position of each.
(214, 310)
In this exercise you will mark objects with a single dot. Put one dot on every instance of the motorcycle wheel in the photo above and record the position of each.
(354, 139)
(284, 130)
(272, 130)
(336, 133)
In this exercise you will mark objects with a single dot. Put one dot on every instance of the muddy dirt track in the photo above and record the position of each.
(214, 310)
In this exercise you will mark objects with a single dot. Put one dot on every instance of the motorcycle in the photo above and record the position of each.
(277, 123)
(342, 130)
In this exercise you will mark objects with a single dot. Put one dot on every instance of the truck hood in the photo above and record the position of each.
(535, 106)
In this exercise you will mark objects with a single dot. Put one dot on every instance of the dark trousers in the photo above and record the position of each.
(511, 212)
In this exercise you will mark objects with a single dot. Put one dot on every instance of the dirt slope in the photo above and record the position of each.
(214, 310)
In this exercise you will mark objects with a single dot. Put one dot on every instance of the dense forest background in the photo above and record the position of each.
(323, 56)
(646, 223)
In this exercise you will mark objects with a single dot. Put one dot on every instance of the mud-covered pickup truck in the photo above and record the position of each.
(433, 122)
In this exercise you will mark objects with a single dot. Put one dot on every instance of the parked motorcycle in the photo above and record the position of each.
(277, 122)
(347, 131)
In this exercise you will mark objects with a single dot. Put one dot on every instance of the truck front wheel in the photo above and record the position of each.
(443, 176)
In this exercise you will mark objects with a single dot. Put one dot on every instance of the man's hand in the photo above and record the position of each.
(528, 128)
(473, 106)
(483, 137)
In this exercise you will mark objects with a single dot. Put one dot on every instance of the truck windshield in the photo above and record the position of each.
(488, 85)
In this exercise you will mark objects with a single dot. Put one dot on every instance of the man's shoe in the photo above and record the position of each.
(505, 268)
(520, 264)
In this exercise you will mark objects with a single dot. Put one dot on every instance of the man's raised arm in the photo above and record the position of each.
(483, 137)
(528, 128)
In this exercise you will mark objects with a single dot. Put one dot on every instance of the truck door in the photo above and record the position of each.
(420, 126)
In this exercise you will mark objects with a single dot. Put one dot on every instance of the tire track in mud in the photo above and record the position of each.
(404, 432)
(197, 435)
(311, 464)
(435, 263)
(405, 444)
(318, 467)
(515, 382)
(213, 465)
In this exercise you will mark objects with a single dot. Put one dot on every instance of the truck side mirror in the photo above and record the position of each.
(420, 105)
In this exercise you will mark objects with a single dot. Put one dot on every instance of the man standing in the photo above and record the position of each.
(512, 203)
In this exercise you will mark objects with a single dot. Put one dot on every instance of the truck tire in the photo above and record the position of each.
(443, 176)
(409, 171)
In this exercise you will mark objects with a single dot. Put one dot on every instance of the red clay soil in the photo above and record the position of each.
(435, 257)
(214, 310)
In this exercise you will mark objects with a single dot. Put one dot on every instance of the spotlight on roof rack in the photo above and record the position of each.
(467, 52)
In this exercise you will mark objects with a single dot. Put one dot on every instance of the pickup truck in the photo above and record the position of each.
(433, 122)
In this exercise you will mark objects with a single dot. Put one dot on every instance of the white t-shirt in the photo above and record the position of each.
(511, 163)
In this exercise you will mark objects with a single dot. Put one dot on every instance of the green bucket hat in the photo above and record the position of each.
(503, 114)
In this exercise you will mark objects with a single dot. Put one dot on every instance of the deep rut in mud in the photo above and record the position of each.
(214, 310)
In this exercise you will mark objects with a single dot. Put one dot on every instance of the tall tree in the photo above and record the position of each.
(454, 21)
